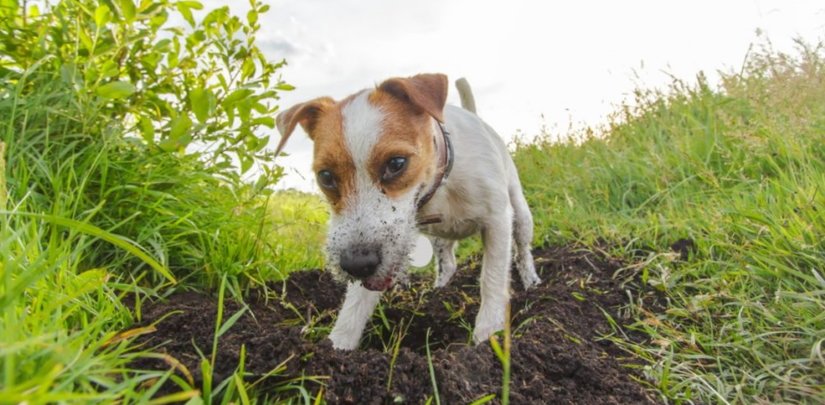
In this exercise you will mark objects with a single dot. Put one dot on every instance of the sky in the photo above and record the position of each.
(531, 64)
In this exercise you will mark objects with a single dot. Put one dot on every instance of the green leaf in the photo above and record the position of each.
(147, 129)
(85, 39)
(246, 162)
(180, 127)
(186, 13)
(245, 110)
(248, 68)
(185, 8)
(203, 103)
(236, 96)
(114, 90)
(168, 145)
(195, 5)
(268, 122)
(102, 15)
(163, 45)
(127, 7)
(108, 69)
(252, 17)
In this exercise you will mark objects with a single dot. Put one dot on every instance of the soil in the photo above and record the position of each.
(559, 350)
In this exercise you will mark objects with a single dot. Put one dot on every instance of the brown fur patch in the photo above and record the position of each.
(331, 153)
(305, 114)
(426, 92)
(407, 133)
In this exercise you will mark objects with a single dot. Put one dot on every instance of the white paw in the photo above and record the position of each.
(344, 340)
(530, 281)
(445, 274)
(487, 324)
(529, 278)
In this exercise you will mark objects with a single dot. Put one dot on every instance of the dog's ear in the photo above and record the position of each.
(427, 92)
(305, 114)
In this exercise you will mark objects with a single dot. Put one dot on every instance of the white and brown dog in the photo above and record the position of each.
(381, 157)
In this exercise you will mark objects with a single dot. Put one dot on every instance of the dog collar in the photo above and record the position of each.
(445, 166)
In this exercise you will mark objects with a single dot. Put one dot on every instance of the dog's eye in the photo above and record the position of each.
(327, 180)
(394, 167)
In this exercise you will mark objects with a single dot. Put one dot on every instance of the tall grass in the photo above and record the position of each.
(740, 170)
(91, 212)
(68, 170)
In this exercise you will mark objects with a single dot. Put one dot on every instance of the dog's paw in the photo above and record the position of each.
(486, 325)
(344, 340)
(531, 280)
(445, 274)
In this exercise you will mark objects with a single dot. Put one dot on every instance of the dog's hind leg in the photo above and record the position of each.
(359, 304)
(523, 237)
(445, 265)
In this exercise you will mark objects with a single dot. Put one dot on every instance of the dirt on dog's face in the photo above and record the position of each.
(373, 185)
(373, 159)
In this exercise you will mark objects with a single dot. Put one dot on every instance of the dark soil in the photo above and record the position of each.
(559, 353)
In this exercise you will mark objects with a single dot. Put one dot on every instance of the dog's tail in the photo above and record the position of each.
(468, 102)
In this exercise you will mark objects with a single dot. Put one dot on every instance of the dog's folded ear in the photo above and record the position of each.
(427, 92)
(305, 114)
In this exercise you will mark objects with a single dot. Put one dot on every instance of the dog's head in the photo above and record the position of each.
(374, 158)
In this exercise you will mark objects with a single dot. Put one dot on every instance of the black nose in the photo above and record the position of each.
(360, 261)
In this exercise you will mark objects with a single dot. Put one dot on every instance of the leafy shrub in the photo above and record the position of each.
(112, 115)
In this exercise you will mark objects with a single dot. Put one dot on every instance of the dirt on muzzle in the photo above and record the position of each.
(561, 346)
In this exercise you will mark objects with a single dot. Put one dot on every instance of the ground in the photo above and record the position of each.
(561, 352)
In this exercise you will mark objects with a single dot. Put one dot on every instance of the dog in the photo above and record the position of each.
(396, 160)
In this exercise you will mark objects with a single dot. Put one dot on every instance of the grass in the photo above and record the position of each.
(298, 229)
(90, 218)
(740, 170)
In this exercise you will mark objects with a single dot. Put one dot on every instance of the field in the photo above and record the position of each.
(144, 257)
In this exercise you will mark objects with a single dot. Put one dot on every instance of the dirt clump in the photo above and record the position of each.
(559, 353)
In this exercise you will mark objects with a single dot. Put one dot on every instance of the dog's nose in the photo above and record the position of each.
(360, 261)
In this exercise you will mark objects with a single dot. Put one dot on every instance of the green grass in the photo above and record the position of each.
(298, 229)
(89, 216)
(740, 170)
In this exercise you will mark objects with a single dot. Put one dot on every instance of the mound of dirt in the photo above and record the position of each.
(558, 353)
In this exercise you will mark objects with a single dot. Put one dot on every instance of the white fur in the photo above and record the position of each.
(369, 219)
(445, 265)
(356, 311)
(362, 127)
(482, 194)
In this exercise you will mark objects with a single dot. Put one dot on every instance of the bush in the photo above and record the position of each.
(114, 117)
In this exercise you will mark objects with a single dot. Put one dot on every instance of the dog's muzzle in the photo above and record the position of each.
(361, 261)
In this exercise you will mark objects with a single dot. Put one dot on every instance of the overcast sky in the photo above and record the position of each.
(530, 63)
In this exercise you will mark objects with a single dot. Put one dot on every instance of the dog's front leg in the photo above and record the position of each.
(359, 304)
(495, 276)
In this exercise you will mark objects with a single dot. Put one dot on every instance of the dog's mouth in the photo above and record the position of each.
(382, 281)
(378, 282)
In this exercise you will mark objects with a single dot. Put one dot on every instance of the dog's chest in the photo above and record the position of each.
(458, 218)
(451, 229)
